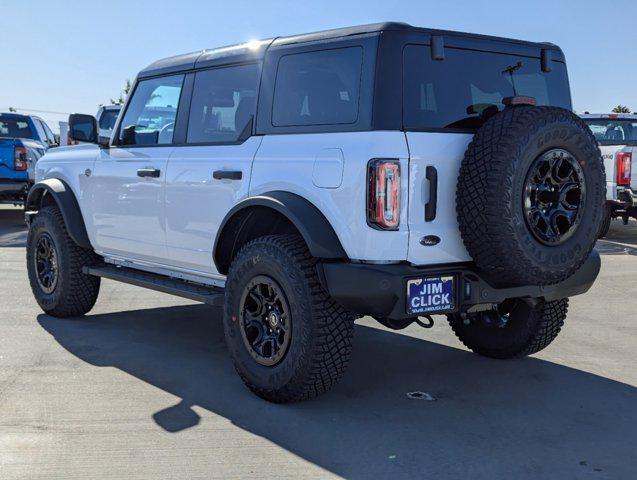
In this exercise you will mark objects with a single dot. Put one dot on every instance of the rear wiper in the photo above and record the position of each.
(510, 70)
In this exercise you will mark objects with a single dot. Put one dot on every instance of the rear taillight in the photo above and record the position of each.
(20, 161)
(383, 194)
(624, 168)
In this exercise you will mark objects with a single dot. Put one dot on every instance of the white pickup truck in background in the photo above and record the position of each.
(616, 134)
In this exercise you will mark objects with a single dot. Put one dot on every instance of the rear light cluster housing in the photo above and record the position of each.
(20, 160)
(624, 168)
(383, 194)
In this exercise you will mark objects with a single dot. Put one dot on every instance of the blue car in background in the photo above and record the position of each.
(23, 140)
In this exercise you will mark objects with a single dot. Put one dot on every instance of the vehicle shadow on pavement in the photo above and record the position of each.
(490, 418)
(13, 230)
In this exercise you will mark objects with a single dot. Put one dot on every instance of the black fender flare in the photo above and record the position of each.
(66, 202)
(316, 230)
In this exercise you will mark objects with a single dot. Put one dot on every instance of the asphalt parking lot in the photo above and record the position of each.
(143, 388)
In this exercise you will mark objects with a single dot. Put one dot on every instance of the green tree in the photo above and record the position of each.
(621, 109)
(123, 95)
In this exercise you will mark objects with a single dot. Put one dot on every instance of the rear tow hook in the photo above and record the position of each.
(425, 321)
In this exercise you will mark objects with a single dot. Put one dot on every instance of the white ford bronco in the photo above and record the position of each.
(616, 134)
(302, 182)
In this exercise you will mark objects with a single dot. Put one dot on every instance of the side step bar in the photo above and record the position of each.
(200, 293)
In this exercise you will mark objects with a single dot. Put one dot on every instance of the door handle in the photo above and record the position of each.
(149, 172)
(431, 174)
(227, 175)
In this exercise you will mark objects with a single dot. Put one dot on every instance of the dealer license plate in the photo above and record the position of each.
(430, 295)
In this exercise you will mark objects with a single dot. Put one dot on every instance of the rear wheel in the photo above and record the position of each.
(605, 227)
(54, 265)
(517, 328)
(289, 341)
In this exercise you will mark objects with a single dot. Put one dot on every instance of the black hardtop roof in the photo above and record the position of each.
(255, 50)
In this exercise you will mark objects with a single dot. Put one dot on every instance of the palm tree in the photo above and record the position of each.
(123, 95)
(621, 109)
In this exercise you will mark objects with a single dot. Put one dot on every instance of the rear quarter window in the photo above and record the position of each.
(468, 86)
(318, 88)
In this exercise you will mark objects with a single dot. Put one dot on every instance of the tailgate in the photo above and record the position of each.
(444, 152)
(6, 158)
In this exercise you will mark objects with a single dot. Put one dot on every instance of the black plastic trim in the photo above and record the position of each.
(380, 290)
(210, 295)
(315, 229)
(431, 174)
(66, 202)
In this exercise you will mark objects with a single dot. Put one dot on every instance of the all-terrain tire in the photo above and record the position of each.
(525, 334)
(75, 293)
(491, 191)
(321, 330)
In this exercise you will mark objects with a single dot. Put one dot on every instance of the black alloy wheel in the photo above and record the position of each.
(266, 325)
(554, 193)
(46, 263)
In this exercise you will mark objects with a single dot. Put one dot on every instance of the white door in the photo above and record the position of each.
(206, 178)
(127, 187)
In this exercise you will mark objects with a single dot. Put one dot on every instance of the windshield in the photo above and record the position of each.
(612, 131)
(107, 119)
(467, 87)
(15, 128)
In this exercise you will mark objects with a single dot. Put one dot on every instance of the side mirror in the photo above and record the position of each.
(82, 128)
(56, 140)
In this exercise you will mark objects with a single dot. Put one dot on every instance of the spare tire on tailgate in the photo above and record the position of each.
(530, 198)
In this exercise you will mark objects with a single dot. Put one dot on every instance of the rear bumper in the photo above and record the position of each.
(381, 290)
(626, 204)
(13, 188)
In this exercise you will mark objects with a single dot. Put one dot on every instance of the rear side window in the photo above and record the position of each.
(152, 111)
(223, 101)
(318, 88)
(467, 87)
(15, 128)
(613, 131)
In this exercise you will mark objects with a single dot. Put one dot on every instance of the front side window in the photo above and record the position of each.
(40, 129)
(49, 134)
(609, 131)
(467, 87)
(223, 101)
(15, 128)
(108, 118)
(318, 88)
(152, 111)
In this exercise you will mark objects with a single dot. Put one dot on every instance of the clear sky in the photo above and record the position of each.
(71, 55)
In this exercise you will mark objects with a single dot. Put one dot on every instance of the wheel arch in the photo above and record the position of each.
(275, 212)
(56, 192)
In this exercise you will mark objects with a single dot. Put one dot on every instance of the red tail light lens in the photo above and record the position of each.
(624, 168)
(383, 194)
(20, 161)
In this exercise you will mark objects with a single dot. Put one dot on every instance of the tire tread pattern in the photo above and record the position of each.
(331, 349)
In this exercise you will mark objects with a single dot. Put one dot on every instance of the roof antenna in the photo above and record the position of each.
(510, 69)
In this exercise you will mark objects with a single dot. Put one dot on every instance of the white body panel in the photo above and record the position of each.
(69, 164)
(445, 152)
(171, 222)
(297, 163)
(196, 203)
(126, 213)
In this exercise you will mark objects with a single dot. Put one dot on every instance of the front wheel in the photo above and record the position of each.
(288, 340)
(517, 328)
(54, 265)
